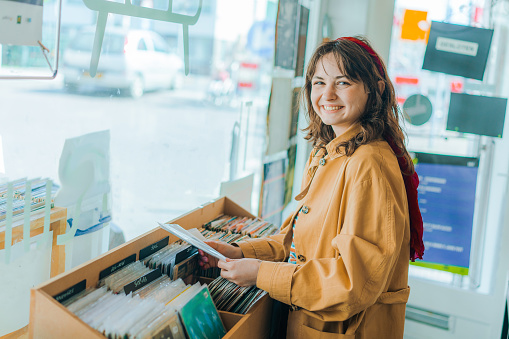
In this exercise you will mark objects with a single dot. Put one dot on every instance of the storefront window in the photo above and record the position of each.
(171, 133)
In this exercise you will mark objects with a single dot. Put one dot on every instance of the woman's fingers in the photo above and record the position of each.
(206, 260)
(242, 272)
(225, 265)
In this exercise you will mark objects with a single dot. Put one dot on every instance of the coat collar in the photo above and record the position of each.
(329, 151)
(347, 135)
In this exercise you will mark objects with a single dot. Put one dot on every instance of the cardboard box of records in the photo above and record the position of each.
(53, 308)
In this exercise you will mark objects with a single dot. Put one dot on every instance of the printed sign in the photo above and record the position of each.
(457, 50)
(145, 252)
(142, 281)
(71, 291)
(457, 46)
(20, 22)
(447, 201)
(116, 266)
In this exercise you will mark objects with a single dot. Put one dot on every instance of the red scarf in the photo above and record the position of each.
(411, 184)
(411, 181)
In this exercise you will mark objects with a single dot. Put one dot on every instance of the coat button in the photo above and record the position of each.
(305, 209)
(322, 161)
(294, 308)
(301, 258)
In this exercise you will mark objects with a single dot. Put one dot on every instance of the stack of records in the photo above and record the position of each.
(223, 236)
(132, 303)
(252, 227)
(232, 229)
(177, 260)
(230, 297)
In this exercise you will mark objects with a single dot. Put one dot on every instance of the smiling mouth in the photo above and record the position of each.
(332, 108)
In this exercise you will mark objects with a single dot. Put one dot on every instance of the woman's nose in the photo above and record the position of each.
(329, 92)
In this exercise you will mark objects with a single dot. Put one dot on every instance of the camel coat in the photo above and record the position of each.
(352, 242)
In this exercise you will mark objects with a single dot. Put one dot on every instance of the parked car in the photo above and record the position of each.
(133, 61)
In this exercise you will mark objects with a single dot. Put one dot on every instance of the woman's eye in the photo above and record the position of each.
(318, 83)
(343, 83)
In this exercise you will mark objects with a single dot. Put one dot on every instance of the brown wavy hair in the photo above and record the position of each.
(381, 116)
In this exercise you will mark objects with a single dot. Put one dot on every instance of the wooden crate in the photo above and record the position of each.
(49, 319)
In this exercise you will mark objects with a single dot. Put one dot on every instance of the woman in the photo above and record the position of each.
(347, 246)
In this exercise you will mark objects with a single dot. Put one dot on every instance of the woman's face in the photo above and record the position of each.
(338, 101)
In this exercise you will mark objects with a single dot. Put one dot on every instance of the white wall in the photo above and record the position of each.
(371, 18)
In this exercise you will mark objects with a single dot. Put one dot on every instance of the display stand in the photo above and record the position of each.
(50, 319)
(58, 220)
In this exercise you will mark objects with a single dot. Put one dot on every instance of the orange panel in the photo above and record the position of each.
(410, 29)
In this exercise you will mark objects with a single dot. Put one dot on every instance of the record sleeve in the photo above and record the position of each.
(183, 234)
(200, 317)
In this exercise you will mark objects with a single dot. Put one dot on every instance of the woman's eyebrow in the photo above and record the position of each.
(338, 77)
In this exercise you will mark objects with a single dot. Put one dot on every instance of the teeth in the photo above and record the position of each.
(331, 108)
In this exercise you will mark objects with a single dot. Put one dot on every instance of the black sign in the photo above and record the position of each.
(457, 50)
(186, 253)
(113, 268)
(142, 281)
(476, 114)
(72, 291)
(145, 252)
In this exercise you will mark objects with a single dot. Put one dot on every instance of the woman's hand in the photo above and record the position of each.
(243, 272)
(229, 251)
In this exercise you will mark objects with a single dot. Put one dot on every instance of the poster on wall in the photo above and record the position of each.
(272, 197)
(301, 40)
(20, 22)
(447, 200)
(286, 34)
(457, 50)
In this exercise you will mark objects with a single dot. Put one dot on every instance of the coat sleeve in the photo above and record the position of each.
(368, 244)
(269, 248)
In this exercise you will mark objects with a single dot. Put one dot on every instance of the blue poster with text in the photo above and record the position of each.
(447, 200)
